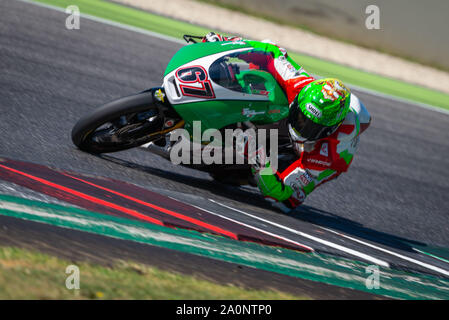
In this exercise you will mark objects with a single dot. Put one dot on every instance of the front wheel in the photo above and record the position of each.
(119, 125)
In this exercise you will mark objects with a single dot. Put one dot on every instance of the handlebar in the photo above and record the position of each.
(189, 38)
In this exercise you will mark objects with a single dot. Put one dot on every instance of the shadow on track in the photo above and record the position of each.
(303, 213)
(351, 228)
(213, 186)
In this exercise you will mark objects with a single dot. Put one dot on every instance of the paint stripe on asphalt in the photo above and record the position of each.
(87, 197)
(257, 229)
(160, 209)
(313, 238)
(417, 262)
(224, 228)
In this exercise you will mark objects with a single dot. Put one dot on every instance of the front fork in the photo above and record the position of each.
(172, 121)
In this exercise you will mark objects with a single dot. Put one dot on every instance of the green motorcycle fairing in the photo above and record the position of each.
(211, 83)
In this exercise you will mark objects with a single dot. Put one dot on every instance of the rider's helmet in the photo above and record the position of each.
(318, 110)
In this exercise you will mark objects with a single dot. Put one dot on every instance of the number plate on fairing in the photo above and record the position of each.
(193, 82)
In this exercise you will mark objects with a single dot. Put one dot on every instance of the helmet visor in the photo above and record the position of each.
(308, 129)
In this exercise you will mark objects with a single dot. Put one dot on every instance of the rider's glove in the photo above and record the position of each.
(277, 194)
(283, 206)
(258, 160)
(212, 37)
(247, 147)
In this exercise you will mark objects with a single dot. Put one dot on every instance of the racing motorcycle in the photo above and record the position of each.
(205, 82)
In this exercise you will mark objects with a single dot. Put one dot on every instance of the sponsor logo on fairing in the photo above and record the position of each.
(159, 95)
(249, 113)
(320, 162)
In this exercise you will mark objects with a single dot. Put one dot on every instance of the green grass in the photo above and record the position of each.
(174, 28)
(31, 275)
(296, 24)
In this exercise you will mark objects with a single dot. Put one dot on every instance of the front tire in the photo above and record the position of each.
(119, 125)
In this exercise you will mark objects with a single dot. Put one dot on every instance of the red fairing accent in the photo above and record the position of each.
(252, 66)
(262, 60)
(345, 128)
(293, 86)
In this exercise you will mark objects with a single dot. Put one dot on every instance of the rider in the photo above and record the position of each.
(323, 128)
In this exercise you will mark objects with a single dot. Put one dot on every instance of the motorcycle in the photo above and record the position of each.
(207, 82)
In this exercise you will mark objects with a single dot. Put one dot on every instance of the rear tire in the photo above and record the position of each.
(84, 130)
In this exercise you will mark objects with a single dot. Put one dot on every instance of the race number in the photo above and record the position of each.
(194, 83)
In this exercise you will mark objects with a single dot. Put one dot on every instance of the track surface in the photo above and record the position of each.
(394, 196)
(80, 246)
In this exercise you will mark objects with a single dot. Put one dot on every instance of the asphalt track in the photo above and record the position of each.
(392, 199)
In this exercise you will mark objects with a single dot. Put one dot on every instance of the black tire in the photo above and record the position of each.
(86, 126)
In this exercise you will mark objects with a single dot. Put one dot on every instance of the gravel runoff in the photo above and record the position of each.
(297, 40)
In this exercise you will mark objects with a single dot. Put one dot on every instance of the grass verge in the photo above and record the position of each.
(170, 27)
(247, 10)
(26, 274)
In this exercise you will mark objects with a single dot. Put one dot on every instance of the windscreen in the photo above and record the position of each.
(246, 72)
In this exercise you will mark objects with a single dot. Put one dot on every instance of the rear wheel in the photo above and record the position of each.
(119, 125)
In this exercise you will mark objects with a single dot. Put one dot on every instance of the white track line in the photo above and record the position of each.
(172, 39)
(255, 228)
(398, 99)
(313, 238)
(422, 264)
